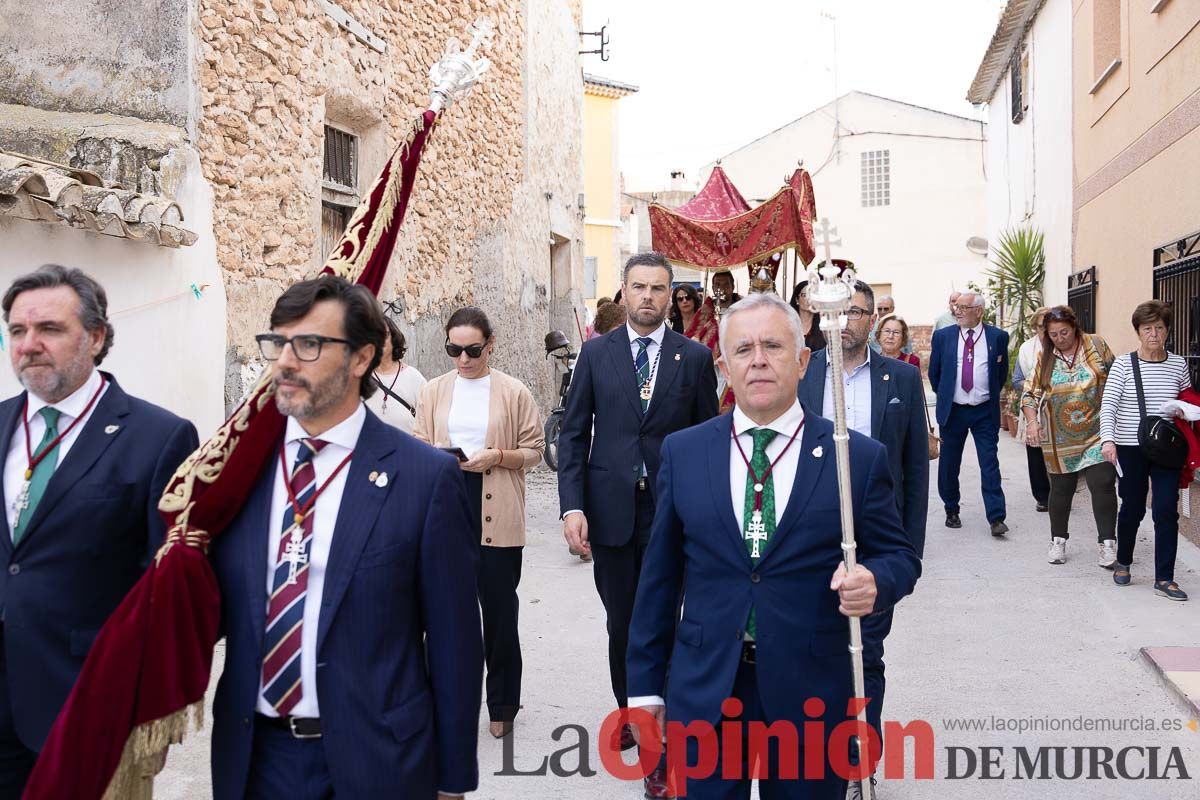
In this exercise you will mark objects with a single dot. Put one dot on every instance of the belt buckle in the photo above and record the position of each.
(750, 652)
(297, 734)
(643, 484)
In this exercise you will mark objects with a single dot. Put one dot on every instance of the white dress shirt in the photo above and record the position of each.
(783, 476)
(341, 439)
(858, 395)
(652, 350)
(69, 409)
(979, 392)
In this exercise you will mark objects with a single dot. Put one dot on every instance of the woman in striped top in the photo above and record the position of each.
(1164, 376)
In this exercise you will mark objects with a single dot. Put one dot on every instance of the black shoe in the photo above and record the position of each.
(953, 520)
(1121, 576)
(1043, 507)
(999, 528)
(1169, 590)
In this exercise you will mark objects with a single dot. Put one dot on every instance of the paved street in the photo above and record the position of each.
(992, 630)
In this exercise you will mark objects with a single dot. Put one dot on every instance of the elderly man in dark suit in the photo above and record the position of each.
(354, 657)
(968, 366)
(748, 529)
(886, 401)
(634, 385)
(85, 466)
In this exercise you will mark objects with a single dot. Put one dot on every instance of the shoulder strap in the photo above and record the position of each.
(393, 395)
(1137, 381)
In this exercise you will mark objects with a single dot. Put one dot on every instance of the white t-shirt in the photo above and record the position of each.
(468, 419)
(408, 385)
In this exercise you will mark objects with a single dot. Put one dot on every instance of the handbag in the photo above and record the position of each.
(1160, 440)
(935, 441)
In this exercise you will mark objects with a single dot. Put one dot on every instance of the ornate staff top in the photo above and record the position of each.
(459, 69)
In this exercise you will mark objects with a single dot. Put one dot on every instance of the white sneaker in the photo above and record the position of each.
(1058, 550)
(1108, 554)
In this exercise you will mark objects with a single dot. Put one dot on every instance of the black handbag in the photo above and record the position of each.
(1160, 440)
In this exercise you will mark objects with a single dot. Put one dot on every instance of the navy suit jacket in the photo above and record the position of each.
(898, 422)
(943, 368)
(696, 551)
(597, 472)
(399, 647)
(90, 539)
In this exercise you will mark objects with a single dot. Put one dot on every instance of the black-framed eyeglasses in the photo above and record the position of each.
(306, 346)
(472, 350)
(855, 313)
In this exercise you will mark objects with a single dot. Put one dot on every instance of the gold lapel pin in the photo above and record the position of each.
(373, 476)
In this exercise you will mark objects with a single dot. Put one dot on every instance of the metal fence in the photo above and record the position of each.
(1081, 297)
(1177, 281)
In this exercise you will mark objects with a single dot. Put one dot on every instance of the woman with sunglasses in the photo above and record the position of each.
(1061, 404)
(694, 319)
(490, 421)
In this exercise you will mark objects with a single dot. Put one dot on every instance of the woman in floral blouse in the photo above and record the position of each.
(1061, 404)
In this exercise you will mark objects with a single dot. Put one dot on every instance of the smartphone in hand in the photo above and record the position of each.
(457, 452)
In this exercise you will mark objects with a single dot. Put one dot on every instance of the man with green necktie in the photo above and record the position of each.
(747, 531)
(85, 465)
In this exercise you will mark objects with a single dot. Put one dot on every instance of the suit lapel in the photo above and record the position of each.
(10, 418)
(94, 438)
(812, 388)
(880, 378)
(719, 489)
(669, 362)
(361, 501)
(256, 541)
(622, 361)
(817, 433)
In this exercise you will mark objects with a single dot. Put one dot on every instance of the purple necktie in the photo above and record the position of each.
(968, 368)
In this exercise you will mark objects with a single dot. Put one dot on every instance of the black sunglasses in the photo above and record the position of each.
(472, 350)
(306, 346)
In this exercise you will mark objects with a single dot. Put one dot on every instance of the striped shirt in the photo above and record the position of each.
(1161, 381)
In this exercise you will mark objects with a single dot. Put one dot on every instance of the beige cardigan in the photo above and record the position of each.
(513, 427)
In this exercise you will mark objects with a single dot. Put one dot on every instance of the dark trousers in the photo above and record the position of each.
(499, 576)
(1039, 479)
(1164, 488)
(1102, 485)
(16, 760)
(616, 571)
(977, 421)
(875, 629)
(772, 787)
(282, 766)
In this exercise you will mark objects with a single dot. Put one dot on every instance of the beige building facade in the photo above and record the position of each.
(267, 121)
(1136, 211)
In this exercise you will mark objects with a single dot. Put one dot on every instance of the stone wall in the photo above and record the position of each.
(497, 185)
(127, 57)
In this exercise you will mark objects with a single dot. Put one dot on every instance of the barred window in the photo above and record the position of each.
(876, 178)
(341, 159)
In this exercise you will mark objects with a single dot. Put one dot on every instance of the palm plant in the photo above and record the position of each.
(1016, 279)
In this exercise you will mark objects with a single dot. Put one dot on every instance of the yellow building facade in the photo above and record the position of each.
(1136, 91)
(602, 187)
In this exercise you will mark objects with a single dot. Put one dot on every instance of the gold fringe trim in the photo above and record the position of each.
(145, 753)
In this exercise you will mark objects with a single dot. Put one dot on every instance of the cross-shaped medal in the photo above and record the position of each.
(756, 532)
(294, 555)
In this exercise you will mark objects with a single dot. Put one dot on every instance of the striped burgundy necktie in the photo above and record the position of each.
(285, 611)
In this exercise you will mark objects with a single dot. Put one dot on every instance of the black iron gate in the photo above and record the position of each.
(1177, 281)
(1081, 297)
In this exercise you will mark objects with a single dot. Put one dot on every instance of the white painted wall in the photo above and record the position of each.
(1029, 164)
(938, 192)
(169, 353)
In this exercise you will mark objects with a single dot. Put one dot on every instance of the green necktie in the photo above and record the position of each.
(758, 532)
(642, 363)
(41, 473)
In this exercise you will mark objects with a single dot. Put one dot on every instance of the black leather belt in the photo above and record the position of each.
(299, 727)
(749, 652)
